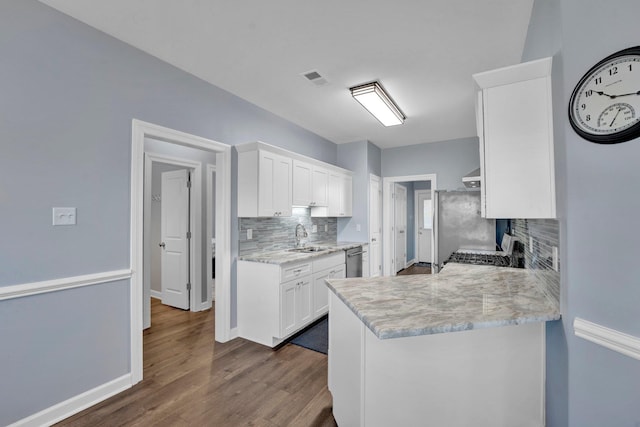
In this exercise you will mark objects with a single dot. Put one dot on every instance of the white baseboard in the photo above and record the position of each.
(609, 338)
(75, 404)
(156, 294)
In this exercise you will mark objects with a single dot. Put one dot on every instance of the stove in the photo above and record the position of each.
(479, 258)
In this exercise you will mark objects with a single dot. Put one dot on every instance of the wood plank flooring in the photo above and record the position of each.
(190, 380)
(415, 269)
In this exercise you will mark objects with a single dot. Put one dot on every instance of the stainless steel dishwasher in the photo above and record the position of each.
(354, 262)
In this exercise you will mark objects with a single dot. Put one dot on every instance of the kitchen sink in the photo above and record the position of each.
(309, 249)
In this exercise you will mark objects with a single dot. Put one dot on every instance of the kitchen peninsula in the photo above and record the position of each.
(463, 347)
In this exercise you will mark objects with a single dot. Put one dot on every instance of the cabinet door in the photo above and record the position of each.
(283, 191)
(335, 195)
(302, 180)
(320, 186)
(518, 150)
(320, 293)
(304, 302)
(288, 308)
(274, 185)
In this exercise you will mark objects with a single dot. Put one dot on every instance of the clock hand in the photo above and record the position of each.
(625, 94)
(617, 96)
(615, 117)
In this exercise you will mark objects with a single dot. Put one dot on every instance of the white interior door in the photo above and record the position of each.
(375, 226)
(424, 229)
(400, 227)
(174, 223)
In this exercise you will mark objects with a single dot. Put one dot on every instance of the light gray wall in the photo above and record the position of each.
(374, 159)
(450, 160)
(354, 156)
(589, 385)
(69, 93)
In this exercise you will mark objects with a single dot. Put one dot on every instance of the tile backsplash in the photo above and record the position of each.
(545, 235)
(270, 234)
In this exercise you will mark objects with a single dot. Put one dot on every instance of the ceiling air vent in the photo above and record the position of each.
(315, 77)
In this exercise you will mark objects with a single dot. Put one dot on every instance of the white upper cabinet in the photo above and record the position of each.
(264, 184)
(515, 128)
(310, 184)
(339, 198)
(272, 180)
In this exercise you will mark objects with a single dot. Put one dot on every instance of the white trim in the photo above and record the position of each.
(156, 294)
(76, 404)
(210, 170)
(35, 288)
(387, 217)
(140, 130)
(416, 194)
(609, 338)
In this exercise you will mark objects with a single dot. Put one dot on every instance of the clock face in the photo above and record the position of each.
(605, 105)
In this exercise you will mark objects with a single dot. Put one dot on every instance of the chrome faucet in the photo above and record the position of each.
(301, 233)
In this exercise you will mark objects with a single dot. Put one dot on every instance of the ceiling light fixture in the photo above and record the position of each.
(376, 101)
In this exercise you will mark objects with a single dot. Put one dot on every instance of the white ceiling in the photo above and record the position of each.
(423, 53)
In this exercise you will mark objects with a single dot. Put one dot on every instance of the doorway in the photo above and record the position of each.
(375, 226)
(184, 290)
(390, 258)
(424, 226)
(176, 139)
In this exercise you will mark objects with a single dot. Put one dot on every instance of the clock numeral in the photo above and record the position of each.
(613, 70)
(588, 118)
(598, 80)
(583, 106)
(630, 69)
(588, 93)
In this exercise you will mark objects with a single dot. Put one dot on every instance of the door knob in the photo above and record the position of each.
(162, 245)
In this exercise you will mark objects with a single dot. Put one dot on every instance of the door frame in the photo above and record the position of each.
(211, 169)
(417, 222)
(396, 186)
(388, 247)
(139, 131)
(195, 244)
(372, 261)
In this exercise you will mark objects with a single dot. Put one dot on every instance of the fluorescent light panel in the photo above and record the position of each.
(376, 101)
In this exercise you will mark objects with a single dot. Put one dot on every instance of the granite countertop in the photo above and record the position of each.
(461, 297)
(284, 256)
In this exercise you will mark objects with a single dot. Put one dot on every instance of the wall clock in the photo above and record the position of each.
(605, 104)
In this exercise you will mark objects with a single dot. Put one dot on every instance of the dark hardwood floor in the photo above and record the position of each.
(190, 380)
(415, 269)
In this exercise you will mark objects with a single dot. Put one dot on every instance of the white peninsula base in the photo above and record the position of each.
(490, 377)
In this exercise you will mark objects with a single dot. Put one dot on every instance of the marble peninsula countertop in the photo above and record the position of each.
(284, 256)
(460, 297)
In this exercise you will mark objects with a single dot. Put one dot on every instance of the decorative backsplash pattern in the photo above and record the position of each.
(271, 234)
(539, 259)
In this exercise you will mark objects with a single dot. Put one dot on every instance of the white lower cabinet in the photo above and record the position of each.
(295, 305)
(275, 301)
(320, 290)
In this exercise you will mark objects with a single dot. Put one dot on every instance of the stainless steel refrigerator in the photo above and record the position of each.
(457, 224)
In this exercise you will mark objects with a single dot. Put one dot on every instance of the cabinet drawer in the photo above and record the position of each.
(294, 271)
(328, 261)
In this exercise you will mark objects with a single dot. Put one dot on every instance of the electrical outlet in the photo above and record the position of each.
(358, 227)
(554, 255)
(249, 234)
(326, 228)
(64, 216)
(530, 244)
(314, 228)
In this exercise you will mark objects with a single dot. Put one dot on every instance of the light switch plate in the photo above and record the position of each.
(326, 227)
(358, 227)
(249, 233)
(554, 257)
(64, 216)
(314, 228)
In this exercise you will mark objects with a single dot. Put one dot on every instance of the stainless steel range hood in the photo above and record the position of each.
(472, 179)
